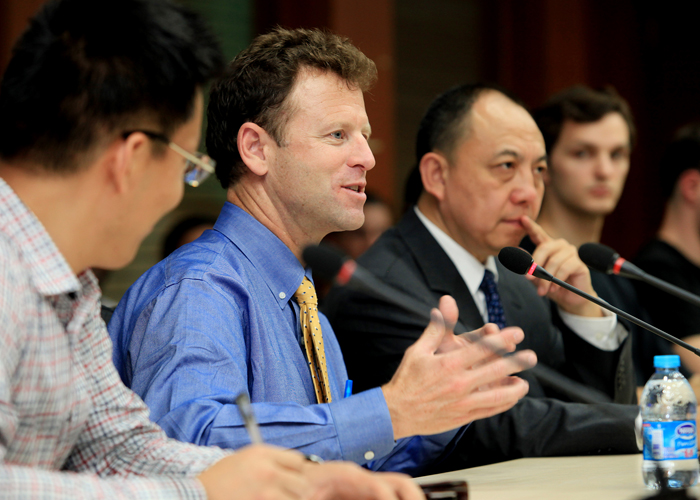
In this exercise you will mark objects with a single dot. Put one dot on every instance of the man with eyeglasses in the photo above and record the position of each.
(198, 166)
(234, 312)
(91, 156)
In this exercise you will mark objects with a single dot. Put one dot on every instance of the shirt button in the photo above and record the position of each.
(369, 455)
(282, 295)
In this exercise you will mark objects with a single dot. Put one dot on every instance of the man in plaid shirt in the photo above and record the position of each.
(100, 113)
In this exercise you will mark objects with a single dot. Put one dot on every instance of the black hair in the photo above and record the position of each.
(443, 125)
(683, 153)
(580, 104)
(258, 81)
(86, 70)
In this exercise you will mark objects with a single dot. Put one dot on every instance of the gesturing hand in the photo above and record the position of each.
(446, 381)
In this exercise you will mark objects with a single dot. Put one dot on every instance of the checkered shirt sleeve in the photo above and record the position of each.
(69, 428)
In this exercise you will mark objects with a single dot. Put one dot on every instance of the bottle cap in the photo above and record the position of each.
(669, 361)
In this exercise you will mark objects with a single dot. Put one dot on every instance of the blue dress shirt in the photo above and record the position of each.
(218, 318)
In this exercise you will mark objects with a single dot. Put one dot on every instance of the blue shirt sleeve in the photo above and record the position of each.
(190, 357)
(197, 330)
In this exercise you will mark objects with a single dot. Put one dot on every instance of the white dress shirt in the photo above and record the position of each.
(605, 333)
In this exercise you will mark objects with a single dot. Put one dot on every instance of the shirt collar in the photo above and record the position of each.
(48, 269)
(277, 265)
(471, 270)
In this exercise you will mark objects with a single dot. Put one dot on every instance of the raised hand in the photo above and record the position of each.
(446, 381)
(560, 258)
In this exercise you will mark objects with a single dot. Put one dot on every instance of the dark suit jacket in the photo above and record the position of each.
(374, 335)
(621, 293)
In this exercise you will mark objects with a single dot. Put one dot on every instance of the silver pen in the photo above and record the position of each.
(251, 425)
(246, 411)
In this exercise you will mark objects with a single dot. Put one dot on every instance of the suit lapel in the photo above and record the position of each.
(440, 273)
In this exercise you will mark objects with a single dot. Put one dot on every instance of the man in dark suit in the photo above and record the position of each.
(478, 186)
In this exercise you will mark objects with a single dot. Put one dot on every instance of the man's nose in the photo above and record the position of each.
(362, 155)
(604, 166)
(526, 189)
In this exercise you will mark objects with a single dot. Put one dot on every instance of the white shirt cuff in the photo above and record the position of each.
(604, 333)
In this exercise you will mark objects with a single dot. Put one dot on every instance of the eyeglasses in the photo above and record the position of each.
(199, 166)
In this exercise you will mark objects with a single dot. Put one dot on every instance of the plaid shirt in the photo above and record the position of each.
(62, 404)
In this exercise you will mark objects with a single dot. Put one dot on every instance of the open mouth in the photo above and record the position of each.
(357, 189)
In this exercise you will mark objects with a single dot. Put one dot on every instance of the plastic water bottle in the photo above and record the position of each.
(669, 408)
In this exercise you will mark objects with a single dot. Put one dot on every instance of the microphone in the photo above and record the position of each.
(332, 265)
(606, 260)
(519, 261)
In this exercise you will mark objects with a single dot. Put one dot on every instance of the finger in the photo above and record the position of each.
(534, 230)
(551, 256)
(450, 312)
(289, 459)
(501, 397)
(513, 334)
(357, 484)
(381, 490)
(459, 341)
(569, 269)
(557, 254)
(476, 335)
(496, 344)
(498, 369)
(432, 336)
(403, 486)
(498, 397)
(292, 484)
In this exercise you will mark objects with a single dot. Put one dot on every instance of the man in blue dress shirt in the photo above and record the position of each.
(288, 129)
(98, 130)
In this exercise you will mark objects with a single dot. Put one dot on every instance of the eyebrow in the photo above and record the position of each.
(508, 152)
(518, 156)
(345, 125)
(591, 145)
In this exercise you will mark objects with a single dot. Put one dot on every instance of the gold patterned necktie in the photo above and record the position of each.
(313, 339)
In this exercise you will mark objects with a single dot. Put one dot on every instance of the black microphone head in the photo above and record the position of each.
(515, 259)
(599, 257)
(324, 260)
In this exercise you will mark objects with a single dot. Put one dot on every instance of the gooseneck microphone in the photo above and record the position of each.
(606, 260)
(519, 261)
(332, 265)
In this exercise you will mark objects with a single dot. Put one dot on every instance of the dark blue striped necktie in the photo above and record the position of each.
(493, 300)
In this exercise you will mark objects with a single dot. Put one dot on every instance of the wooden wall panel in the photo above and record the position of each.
(370, 25)
(14, 16)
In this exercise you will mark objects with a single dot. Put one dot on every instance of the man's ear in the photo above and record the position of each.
(125, 159)
(254, 146)
(547, 175)
(434, 170)
(689, 186)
